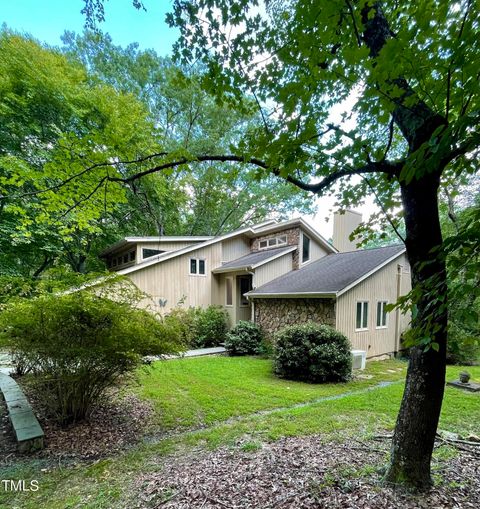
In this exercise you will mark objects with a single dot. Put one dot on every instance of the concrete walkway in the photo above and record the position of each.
(198, 352)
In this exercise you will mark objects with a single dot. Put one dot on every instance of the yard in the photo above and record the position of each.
(220, 430)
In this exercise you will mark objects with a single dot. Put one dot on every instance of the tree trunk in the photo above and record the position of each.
(417, 420)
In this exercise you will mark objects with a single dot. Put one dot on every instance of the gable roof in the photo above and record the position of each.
(264, 228)
(330, 276)
(254, 260)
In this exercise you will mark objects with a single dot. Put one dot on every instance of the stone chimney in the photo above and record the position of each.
(344, 223)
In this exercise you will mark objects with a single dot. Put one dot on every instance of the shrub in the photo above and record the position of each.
(244, 339)
(312, 352)
(463, 345)
(78, 345)
(210, 326)
(200, 327)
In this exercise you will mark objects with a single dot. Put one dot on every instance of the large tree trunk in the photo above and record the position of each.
(417, 420)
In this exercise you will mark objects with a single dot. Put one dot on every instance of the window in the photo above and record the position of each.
(273, 242)
(146, 253)
(125, 258)
(245, 285)
(228, 291)
(362, 316)
(305, 249)
(132, 256)
(381, 314)
(197, 266)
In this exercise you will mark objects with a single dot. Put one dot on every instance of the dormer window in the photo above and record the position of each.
(281, 240)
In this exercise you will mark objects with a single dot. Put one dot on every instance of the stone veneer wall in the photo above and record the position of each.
(293, 239)
(274, 314)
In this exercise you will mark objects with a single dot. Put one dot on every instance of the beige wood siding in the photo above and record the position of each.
(381, 286)
(235, 248)
(171, 280)
(272, 270)
(343, 226)
(316, 250)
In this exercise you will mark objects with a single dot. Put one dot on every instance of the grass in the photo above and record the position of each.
(187, 394)
(201, 391)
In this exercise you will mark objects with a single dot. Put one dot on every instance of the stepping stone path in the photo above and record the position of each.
(27, 429)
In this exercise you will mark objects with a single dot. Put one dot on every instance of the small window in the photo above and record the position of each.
(381, 314)
(132, 256)
(244, 287)
(197, 266)
(228, 291)
(305, 249)
(282, 240)
(147, 253)
(125, 258)
(362, 316)
(272, 242)
(263, 244)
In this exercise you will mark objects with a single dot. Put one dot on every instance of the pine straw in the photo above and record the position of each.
(300, 473)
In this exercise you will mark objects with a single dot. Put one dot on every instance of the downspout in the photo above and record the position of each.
(397, 310)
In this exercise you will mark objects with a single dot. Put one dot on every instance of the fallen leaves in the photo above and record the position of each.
(300, 473)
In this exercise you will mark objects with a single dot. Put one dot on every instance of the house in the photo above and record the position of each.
(276, 273)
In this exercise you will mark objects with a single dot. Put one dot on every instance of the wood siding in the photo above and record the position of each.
(316, 250)
(381, 286)
(234, 248)
(171, 280)
(272, 270)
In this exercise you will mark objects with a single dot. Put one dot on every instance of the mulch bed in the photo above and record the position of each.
(112, 427)
(301, 473)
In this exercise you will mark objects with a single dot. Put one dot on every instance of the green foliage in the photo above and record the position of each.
(210, 326)
(78, 345)
(244, 339)
(199, 327)
(312, 352)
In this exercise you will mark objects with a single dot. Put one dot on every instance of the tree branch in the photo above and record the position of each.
(388, 167)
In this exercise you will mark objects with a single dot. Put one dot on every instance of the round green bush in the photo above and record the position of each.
(312, 352)
(244, 339)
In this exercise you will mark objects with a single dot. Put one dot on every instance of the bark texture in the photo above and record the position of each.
(417, 420)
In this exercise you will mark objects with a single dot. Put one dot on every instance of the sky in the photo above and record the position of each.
(47, 20)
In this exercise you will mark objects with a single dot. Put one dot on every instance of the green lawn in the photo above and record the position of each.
(203, 390)
(190, 393)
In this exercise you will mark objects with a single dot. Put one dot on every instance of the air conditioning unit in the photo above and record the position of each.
(359, 359)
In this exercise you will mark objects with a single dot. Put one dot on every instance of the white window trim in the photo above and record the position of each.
(278, 243)
(309, 251)
(226, 303)
(198, 267)
(361, 329)
(385, 301)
